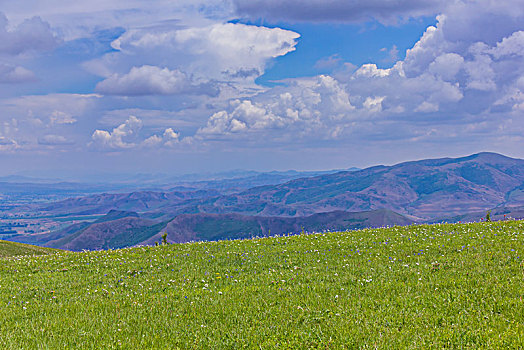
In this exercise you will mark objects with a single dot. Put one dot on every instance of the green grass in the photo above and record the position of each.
(440, 286)
(13, 249)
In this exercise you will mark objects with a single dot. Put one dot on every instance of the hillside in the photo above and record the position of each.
(212, 227)
(415, 287)
(118, 233)
(120, 229)
(11, 249)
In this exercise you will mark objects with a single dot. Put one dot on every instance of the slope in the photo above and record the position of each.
(11, 249)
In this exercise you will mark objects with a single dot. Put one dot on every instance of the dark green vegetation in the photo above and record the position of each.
(124, 229)
(10, 249)
(439, 286)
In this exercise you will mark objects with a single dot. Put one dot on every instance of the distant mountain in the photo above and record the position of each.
(423, 189)
(135, 201)
(179, 189)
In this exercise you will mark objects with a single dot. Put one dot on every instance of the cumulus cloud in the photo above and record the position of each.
(230, 52)
(169, 138)
(31, 35)
(299, 109)
(15, 74)
(151, 80)
(464, 80)
(337, 10)
(121, 137)
(126, 136)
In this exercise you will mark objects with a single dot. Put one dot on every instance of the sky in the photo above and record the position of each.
(128, 86)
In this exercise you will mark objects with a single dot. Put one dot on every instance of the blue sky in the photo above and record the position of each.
(119, 86)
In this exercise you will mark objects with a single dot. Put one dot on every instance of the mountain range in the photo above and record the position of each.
(411, 192)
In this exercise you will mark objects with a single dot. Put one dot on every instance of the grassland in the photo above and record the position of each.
(439, 286)
(13, 249)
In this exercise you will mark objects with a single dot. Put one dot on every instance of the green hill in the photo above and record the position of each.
(420, 286)
(9, 249)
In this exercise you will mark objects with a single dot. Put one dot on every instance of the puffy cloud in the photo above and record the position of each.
(467, 81)
(169, 138)
(510, 46)
(304, 107)
(120, 138)
(447, 66)
(337, 10)
(374, 104)
(15, 74)
(126, 136)
(151, 80)
(31, 35)
(231, 52)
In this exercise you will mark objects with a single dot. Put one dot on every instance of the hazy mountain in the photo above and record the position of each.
(424, 189)
(135, 201)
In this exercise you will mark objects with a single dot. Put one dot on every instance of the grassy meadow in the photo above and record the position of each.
(10, 249)
(438, 286)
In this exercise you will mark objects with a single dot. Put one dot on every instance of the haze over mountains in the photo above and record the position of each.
(417, 191)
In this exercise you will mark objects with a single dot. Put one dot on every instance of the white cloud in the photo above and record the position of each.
(374, 104)
(151, 80)
(509, 46)
(465, 80)
(447, 66)
(126, 136)
(371, 70)
(121, 137)
(228, 52)
(307, 106)
(169, 138)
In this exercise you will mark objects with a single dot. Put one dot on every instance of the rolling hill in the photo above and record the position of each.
(123, 229)
(432, 190)
(12, 249)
